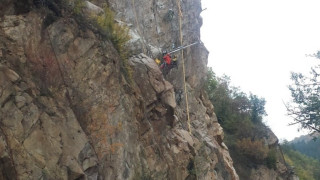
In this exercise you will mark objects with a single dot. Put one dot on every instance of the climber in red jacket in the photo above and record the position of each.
(166, 60)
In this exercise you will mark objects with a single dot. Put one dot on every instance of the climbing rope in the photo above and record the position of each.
(183, 66)
(184, 78)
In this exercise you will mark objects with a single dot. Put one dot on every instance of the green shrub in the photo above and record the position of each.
(271, 160)
(109, 29)
(255, 150)
(78, 6)
(105, 22)
(119, 36)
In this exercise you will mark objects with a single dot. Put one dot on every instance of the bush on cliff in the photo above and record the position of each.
(255, 149)
(119, 36)
(271, 160)
(241, 117)
(109, 29)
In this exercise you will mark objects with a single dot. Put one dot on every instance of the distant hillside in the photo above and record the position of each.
(305, 167)
(308, 145)
(305, 138)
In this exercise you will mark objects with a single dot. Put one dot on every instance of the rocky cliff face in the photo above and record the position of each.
(68, 112)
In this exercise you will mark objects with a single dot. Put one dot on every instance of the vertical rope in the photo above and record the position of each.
(184, 78)
(183, 66)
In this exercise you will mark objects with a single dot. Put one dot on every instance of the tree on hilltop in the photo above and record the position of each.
(305, 93)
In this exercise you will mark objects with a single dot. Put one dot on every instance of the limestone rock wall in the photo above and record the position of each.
(68, 112)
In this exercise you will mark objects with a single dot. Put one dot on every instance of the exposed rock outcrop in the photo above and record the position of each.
(67, 111)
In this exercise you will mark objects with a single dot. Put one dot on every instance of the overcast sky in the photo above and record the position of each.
(258, 43)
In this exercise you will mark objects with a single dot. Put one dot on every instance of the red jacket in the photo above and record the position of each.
(167, 59)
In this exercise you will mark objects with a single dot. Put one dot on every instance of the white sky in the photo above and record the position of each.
(258, 43)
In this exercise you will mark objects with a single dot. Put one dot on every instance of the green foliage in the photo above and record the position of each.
(110, 30)
(257, 108)
(119, 36)
(241, 117)
(232, 106)
(211, 84)
(305, 105)
(307, 146)
(271, 160)
(305, 167)
(255, 149)
(78, 6)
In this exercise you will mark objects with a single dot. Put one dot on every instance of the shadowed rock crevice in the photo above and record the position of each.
(7, 169)
(7, 165)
